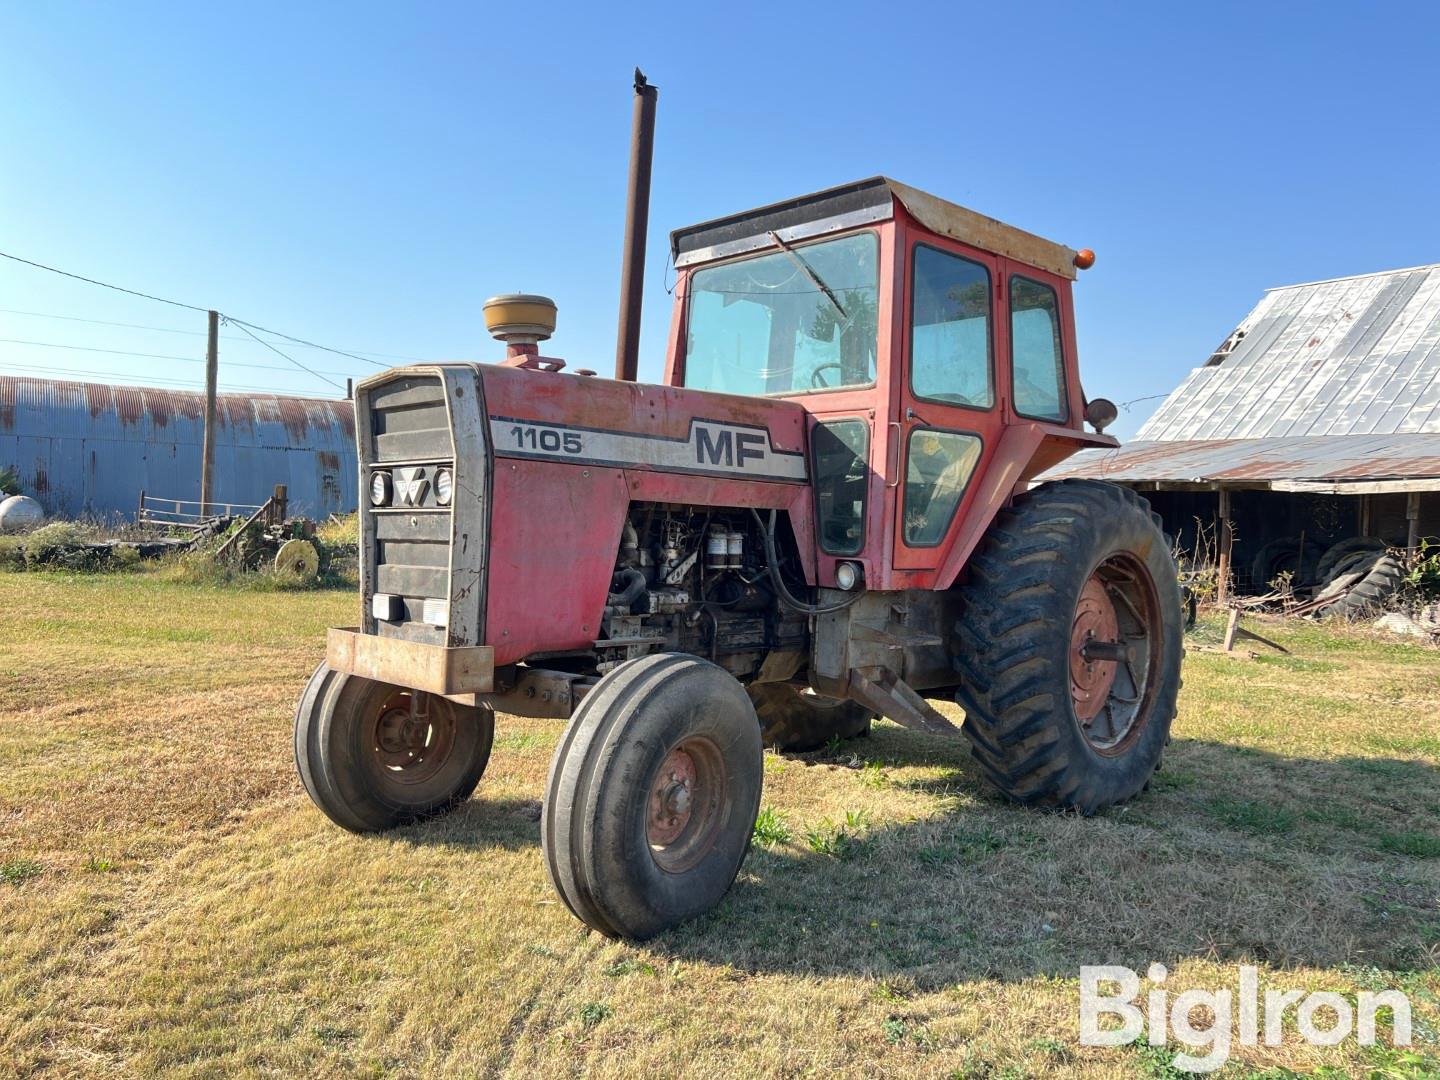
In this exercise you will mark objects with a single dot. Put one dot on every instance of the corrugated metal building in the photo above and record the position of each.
(1326, 399)
(89, 449)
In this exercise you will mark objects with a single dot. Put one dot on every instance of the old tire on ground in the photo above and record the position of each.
(1345, 551)
(299, 558)
(1074, 565)
(792, 719)
(1282, 556)
(1368, 595)
(652, 796)
(370, 764)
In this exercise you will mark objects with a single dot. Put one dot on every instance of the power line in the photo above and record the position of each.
(155, 356)
(292, 360)
(102, 284)
(201, 333)
(1136, 401)
(247, 327)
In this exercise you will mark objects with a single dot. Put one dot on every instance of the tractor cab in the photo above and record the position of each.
(932, 348)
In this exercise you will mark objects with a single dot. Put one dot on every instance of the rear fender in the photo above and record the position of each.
(1025, 450)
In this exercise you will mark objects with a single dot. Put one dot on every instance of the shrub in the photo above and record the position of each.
(50, 543)
(12, 553)
(339, 531)
(9, 481)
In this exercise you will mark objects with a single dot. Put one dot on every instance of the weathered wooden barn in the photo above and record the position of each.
(1317, 419)
(89, 449)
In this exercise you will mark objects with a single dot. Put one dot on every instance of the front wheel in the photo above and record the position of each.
(373, 756)
(652, 796)
(1069, 641)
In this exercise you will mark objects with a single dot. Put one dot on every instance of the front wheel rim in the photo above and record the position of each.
(1116, 640)
(687, 805)
(409, 748)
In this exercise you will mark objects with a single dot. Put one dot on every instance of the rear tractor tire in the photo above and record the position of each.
(793, 719)
(652, 796)
(1069, 642)
(1288, 555)
(1346, 554)
(1381, 576)
(374, 756)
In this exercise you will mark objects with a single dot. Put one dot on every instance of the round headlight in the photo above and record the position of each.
(444, 486)
(846, 575)
(380, 488)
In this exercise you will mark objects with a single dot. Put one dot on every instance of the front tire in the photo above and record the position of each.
(1075, 568)
(793, 720)
(374, 756)
(652, 796)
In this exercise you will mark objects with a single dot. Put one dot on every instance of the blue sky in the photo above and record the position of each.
(366, 175)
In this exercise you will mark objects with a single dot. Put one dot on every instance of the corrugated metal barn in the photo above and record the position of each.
(1318, 417)
(89, 449)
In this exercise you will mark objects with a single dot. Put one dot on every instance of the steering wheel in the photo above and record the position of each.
(818, 383)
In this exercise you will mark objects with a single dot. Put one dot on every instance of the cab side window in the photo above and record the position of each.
(950, 330)
(842, 450)
(1036, 360)
(938, 468)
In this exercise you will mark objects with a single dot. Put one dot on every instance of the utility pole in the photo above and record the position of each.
(207, 446)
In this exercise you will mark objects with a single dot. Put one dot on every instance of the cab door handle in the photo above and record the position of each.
(892, 452)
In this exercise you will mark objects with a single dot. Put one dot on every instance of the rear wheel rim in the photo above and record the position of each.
(409, 748)
(1118, 607)
(687, 804)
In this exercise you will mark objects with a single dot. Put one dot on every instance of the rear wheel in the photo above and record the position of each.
(652, 796)
(794, 718)
(1346, 554)
(1381, 575)
(1069, 642)
(373, 756)
(1285, 556)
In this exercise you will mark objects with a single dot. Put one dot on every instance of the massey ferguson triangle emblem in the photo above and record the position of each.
(410, 485)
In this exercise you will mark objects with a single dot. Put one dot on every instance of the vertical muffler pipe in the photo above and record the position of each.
(637, 219)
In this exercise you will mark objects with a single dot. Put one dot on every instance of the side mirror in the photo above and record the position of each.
(1100, 413)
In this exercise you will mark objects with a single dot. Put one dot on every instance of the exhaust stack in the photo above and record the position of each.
(637, 218)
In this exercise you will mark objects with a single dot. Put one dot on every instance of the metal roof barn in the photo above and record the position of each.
(89, 449)
(1322, 385)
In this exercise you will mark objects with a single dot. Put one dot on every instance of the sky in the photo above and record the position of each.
(364, 176)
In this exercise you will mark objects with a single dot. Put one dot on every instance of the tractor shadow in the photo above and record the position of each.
(481, 824)
(1231, 855)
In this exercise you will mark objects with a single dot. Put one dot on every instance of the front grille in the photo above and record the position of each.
(406, 558)
(409, 421)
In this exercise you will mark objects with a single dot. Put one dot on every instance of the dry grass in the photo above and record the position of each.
(170, 902)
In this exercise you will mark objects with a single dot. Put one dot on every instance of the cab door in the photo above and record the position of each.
(950, 406)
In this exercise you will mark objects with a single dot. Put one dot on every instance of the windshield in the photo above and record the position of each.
(786, 322)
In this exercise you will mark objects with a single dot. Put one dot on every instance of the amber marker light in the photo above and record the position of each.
(1084, 259)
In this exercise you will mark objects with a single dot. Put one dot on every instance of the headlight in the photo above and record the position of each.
(380, 488)
(847, 575)
(444, 486)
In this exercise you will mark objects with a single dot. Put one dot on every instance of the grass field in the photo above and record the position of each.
(171, 903)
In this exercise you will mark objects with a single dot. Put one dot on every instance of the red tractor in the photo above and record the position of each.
(823, 515)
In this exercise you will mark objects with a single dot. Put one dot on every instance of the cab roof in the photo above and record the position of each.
(861, 203)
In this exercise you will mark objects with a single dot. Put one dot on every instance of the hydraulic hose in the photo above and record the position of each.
(633, 589)
(772, 567)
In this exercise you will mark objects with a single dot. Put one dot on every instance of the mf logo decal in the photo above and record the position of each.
(410, 485)
(715, 445)
(712, 447)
